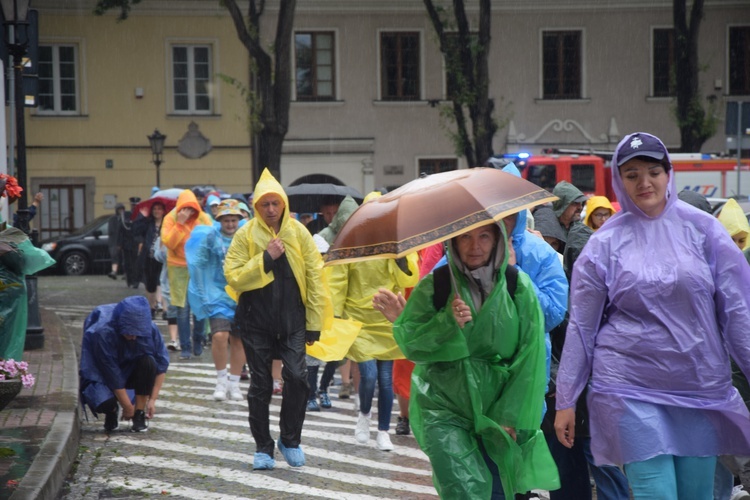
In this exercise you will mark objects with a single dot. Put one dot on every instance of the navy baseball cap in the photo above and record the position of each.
(641, 144)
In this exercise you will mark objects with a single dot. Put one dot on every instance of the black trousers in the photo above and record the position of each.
(260, 349)
(141, 380)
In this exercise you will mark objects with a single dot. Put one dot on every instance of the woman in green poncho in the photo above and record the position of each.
(479, 381)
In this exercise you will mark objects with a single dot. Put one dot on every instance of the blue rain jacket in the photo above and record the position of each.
(205, 252)
(107, 357)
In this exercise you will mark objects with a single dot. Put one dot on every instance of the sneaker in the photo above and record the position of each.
(111, 421)
(362, 431)
(295, 457)
(402, 426)
(244, 375)
(220, 393)
(312, 405)
(197, 347)
(325, 401)
(278, 387)
(383, 441)
(346, 391)
(112, 275)
(235, 394)
(139, 422)
(184, 357)
(263, 461)
(159, 307)
(173, 346)
(739, 493)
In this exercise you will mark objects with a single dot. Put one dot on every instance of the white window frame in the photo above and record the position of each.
(336, 73)
(378, 65)
(191, 45)
(584, 88)
(56, 95)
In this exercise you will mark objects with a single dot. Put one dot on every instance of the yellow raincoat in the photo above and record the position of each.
(243, 266)
(173, 236)
(734, 220)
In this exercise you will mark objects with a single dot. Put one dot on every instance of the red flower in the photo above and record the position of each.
(12, 189)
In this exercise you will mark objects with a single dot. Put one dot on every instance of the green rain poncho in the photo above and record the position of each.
(468, 384)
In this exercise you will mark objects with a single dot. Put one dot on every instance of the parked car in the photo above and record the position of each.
(82, 251)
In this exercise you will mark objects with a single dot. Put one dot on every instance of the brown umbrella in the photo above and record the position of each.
(432, 209)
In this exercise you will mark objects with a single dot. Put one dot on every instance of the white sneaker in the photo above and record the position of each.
(355, 400)
(383, 440)
(362, 431)
(173, 346)
(220, 393)
(235, 394)
(739, 493)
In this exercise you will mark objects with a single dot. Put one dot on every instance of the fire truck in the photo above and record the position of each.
(710, 175)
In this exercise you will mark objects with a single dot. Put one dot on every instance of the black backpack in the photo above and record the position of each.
(441, 281)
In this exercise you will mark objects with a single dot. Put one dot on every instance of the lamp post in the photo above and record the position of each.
(157, 148)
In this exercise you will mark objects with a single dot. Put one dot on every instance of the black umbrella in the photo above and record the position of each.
(308, 198)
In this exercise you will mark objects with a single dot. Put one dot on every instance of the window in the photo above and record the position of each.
(431, 166)
(544, 176)
(739, 60)
(663, 58)
(191, 79)
(561, 64)
(58, 79)
(314, 56)
(582, 177)
(399, 66)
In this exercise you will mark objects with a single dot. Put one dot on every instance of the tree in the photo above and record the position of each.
(696, 124)
(466, 61)
(271, 78)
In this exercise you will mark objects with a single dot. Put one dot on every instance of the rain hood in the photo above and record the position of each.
(594, 203)
(346, 209)
(657, 306)
(174, 235)
(734, 219)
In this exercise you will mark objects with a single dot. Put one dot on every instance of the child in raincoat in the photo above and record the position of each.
(479, 381)
(735, 221)
(598, 210)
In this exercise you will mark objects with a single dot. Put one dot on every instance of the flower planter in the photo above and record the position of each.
(9, 389)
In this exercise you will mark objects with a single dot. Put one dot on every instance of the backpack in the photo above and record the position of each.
(441, 282)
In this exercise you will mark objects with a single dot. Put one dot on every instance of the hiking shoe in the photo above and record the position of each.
(383, 441)
(112, 275)
(263, 461)
(220, 393)
(402, 426)
(312, 405)
(325, 401)
(278, 387)
(362, 431)
(235, 394)
(346, 391)
(173, 346)
(139, 422)
(111, 421)
(295, 457)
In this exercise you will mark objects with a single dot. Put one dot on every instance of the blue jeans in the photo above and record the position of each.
(611, 483)
(670, 477)
(369, 372)
(183, 330)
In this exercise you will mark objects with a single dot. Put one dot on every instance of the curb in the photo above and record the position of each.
(47, 473)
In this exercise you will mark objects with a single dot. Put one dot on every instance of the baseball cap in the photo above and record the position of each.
(228, 207)
(213, 200)
(640, 144)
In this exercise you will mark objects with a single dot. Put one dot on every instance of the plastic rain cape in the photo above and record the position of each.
(657, 305)
(467, 384)
(205, 251)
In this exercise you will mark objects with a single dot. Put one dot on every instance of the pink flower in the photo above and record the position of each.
(27, 380)
(11, 369)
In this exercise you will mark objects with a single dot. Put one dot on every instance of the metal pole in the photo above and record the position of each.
(157, 162)
(12, 101)
(20, 128)
(739, 144)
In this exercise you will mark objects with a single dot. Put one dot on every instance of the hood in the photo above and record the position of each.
(545, 221)
(519, 230)
(567, 194)
(482, 280)
(346, 209)
(188, 200)
(733, 218)
(594, 203)
(268, 184)
(374, 195)
(695, 199)
(625, 202)
(132, 316)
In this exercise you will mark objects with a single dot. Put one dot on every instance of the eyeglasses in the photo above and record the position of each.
(602, 216)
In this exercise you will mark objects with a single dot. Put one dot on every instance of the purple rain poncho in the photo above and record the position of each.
(656, 303)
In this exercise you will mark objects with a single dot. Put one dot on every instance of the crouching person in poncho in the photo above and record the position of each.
(479, 381)
(123, 360)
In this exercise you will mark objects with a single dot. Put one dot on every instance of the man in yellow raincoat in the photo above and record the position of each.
(353, 287)
(277, 271)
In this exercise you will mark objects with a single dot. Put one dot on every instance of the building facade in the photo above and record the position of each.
(369, 86)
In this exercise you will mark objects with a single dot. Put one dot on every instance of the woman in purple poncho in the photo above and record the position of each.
(659, 300)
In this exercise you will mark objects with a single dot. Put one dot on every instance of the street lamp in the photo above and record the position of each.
(15, 13)
(157, 148)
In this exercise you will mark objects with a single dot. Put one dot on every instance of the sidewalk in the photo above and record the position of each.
(42, 424)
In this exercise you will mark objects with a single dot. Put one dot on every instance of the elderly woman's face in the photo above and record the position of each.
(475, 247)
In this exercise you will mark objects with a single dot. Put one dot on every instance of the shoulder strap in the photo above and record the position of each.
(441, 283)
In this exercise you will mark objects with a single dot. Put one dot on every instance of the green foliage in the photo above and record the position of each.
(702, 123)
(252, 101)
(102, 6)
